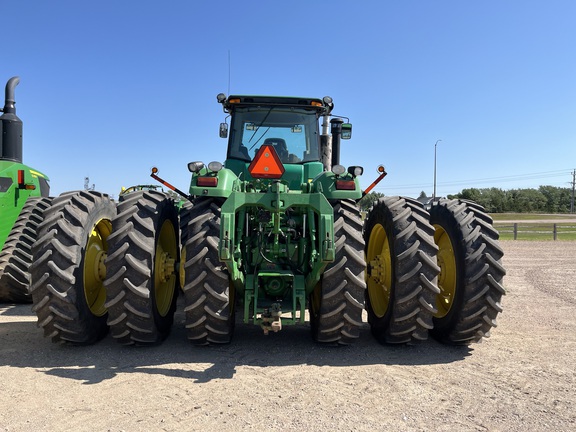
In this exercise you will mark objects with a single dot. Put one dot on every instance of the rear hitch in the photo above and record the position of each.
(271, 320)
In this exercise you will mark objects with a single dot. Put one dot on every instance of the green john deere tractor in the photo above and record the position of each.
(23, 199)
(126, 191)
(273, 235)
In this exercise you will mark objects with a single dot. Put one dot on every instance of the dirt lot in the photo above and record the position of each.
(520, 379)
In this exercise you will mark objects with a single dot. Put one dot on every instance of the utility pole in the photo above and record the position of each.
(573, 188)
(434, 193)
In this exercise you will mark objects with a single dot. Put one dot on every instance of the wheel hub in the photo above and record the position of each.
(166, 266)
(447, 282)
(94, 271)
(379, 274)
(377, 270)
(100, 266)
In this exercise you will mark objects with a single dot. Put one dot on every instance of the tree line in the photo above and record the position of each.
(545, 199)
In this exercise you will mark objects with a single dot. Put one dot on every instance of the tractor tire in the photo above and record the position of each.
(68, 270)
(16, 255)
(336, 304)
(401, 271)
(208, 291)
(471, 274)
(184, 219)
(142, 282)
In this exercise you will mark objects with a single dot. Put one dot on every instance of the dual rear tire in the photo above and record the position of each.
(98, 267)
(438, 272)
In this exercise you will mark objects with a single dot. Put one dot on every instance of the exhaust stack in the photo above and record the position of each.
(10, 126)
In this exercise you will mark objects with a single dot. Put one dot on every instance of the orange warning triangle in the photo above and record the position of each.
(266, 164)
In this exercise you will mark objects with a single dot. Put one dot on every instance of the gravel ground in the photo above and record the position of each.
(522, 378)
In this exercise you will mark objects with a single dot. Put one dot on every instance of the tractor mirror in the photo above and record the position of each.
(346, 131)
(223, 130)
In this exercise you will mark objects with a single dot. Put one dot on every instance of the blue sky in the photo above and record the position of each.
(111, 88)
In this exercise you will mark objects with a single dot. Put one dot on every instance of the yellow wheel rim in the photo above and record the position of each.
(94, 267)
(379, 276)
(164, 274)
(447, 277)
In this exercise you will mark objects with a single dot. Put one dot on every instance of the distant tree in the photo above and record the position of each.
(495, 200)
(531, 200)
(368, 200)
(564, 200)
(557, 199)
(471, 194)
(480, 196)
(545, 199)
(423, 197)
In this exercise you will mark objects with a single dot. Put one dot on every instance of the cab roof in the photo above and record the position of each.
(234, 101)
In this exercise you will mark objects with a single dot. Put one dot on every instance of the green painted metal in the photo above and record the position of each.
(281, 265)
(276, 235)
(13, 196)
(325, 184)
(227, 182)
(294, 175)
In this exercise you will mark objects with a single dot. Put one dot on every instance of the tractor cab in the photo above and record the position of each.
(286, 125)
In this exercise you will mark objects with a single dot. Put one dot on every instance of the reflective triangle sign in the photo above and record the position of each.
(266, 164)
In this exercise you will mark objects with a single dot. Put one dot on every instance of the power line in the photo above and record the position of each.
(502, 179)
(472, 182)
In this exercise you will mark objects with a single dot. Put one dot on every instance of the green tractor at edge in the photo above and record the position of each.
(23, 198)
(272, 235)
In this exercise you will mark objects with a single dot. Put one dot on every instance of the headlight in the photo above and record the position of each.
(338, 169)
(215, 166)
(356, 170)
(195, 167)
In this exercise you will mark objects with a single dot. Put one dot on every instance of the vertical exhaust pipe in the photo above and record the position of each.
(326, 143)
(10, 126)
(336, 130)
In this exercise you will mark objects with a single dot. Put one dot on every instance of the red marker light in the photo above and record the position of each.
(207, 181)
(266, 164)
(21, 177)
(345, 185)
